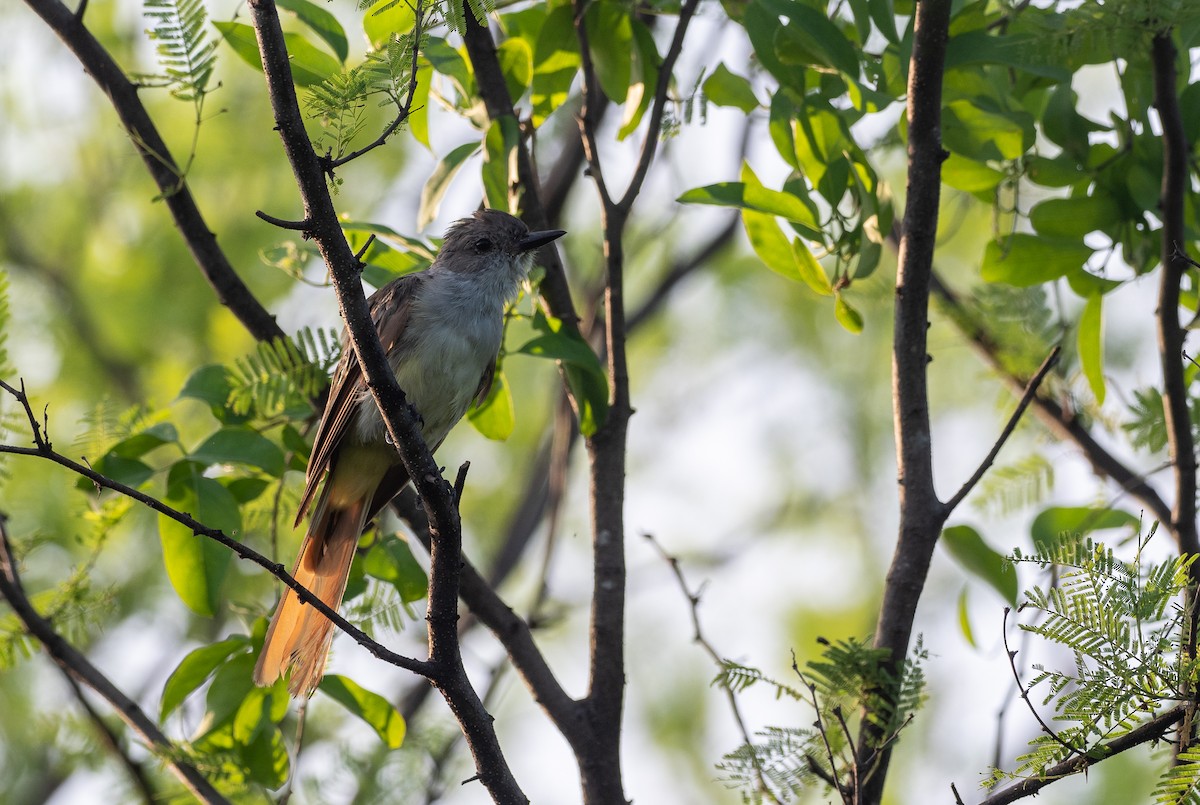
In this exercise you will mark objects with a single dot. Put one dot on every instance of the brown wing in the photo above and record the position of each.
(390, 308)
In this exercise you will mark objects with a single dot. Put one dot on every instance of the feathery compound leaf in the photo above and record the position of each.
(185, 52)
(281, 376)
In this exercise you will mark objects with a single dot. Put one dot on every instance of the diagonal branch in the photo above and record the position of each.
(44, 450)
(78, 668)
(167, 175)
(1153, 730)
(1064, 425)
(445, 658)
(1031, 390)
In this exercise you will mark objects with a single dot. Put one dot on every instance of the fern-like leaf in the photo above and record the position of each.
(281, 376)
(185, 52)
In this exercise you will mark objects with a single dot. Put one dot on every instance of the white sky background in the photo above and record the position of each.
(696, 470)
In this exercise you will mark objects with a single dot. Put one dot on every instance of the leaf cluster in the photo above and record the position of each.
(846, 683)
(1125, 626)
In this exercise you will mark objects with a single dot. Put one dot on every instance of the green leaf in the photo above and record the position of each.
(982, 135)
(1025, 52)
(976, 557)
(499, 160)
(1074, 217)
(197, 565)
(439, 181)
(846, 316)
(387, 19)
(370, 707)
(970, 176)
(240, 445)
(555, 62)
(211, 385)
(1076, 520)
(812, 38)
(789, 259)
(964, 619)
(323, 24)
(494, 417)
(516, 65)
(1091, 345)
(725, 88)
(391, 560)
(129, 471)
(146, 440)
(590, 390)
(751, 196)
(782, 128)
(230, 688)
(194, 669)
(418, 115)
(563, 345)
(1025, 260)
(884, 15)
(642, 81)
(610, 38)
(309, 65)
(266, 758)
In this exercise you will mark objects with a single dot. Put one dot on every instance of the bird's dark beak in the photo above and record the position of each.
(536, 239)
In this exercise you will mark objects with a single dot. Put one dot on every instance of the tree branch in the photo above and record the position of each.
(445, 658)
(1031, 390)
(167, 175)
(43, 449)
(77, 667)
(921, 513)
(1152, 730)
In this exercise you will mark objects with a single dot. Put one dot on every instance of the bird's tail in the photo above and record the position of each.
(299, 635)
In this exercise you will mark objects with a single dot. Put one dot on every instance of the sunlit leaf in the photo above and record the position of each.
(495, 417)
(370, 707)
(197, 565)
(194, 669)
(309, 65)
(390, 560)
(1091, 345)
(968, 548)
(323, 24)
(240, 445)
(1056, 520)
(1024, 260)
(439, 181)
(725, 88)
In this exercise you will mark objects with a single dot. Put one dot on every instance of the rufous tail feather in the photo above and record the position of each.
(299, 635)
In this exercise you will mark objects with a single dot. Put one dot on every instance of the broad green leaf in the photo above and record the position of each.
(387, 19)
(245, 490)
(763, 26)
(964, 619)
(499, 161)
(418, 113)
(516, 64)
(233, 683)
(976, 556)
(494, 417)
(812, 38)
(449, 62)
(309, 65)
(751, 196)
(1091, 345)
(970, 176)
(1086, 284)
(1063, 125)
(982, 135)
(1074, 217)
(555, 62)
(144, 441)
(390, 560)
(610, 38)
(1062, 171)
(725, 88)
(1076, 520)
(642, 81)
(1025, 52)
(590, 390)
(435, 188)
(194, 669)
(821, 143)
(211, 385)
(266, 758)
(240, 445)
(1024, 260)
(129, 471)
(323, 24)
(370, 707)
(560, 344)
(790, 259)
(846, 315)
(884, 16)
(197, 565)
(781, 127)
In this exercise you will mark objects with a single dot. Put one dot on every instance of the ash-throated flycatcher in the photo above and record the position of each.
(441, 329)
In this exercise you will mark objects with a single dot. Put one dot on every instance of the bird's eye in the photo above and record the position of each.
(484, 245)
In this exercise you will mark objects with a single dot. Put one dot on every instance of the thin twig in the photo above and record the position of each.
(693, 599)
(112, 743)
(199, 529)
(1031, 390)
(284, 223)
(1024, 692)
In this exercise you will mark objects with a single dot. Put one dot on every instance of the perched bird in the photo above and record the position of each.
(441, 329)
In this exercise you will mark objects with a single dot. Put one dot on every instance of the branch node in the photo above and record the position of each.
(283, 223)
